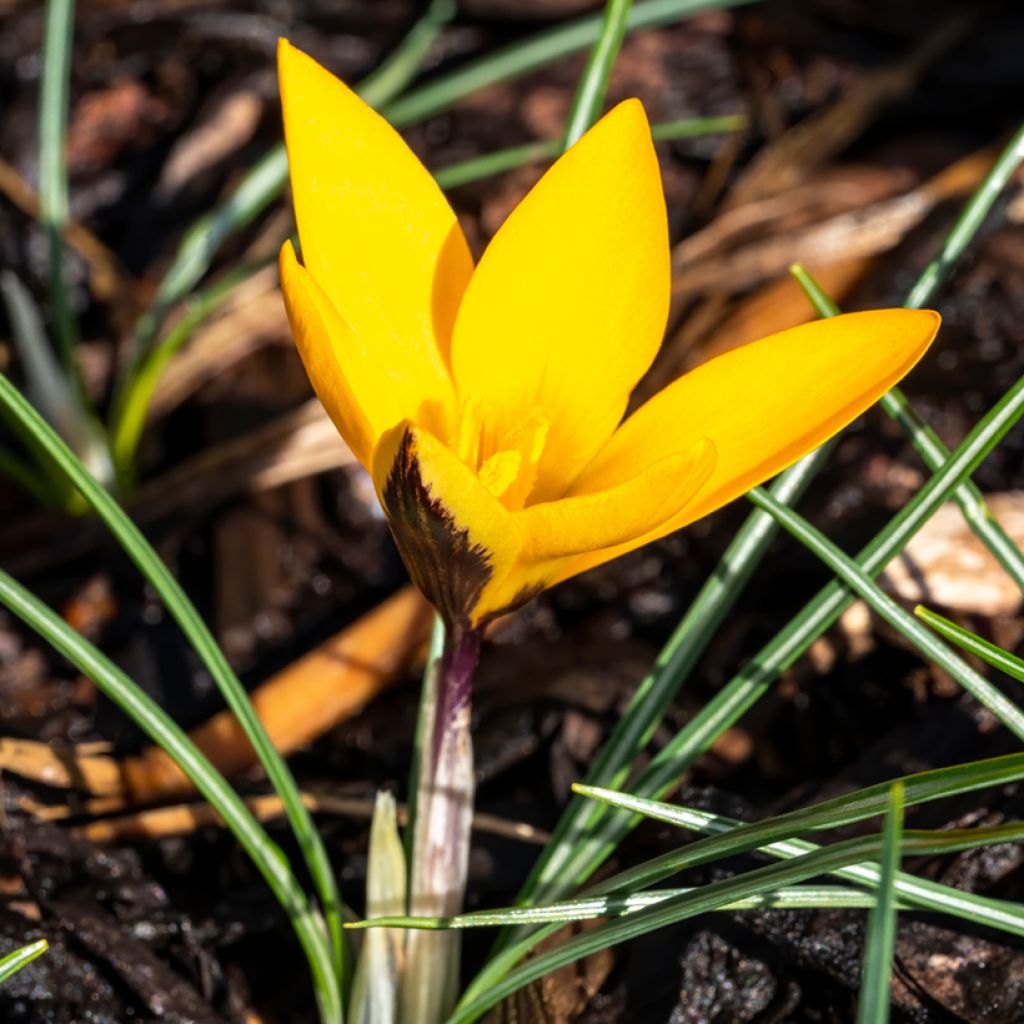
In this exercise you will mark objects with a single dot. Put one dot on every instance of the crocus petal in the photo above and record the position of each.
(454, 536)
(323, 339)
(764, 406)
(568, 305)
(587, 522)
(376, 232)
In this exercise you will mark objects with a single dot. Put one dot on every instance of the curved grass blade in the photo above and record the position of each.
(988, 652)
(593, 84)
(134, 400)
(53, 170)
(746, 688)
(531, 54)
(161, 729)
(498, 162)
(796, 897)
(861, 584)
(730, 837)
(560, 868)
(968, 223)
(141, 552)
(53, 390)
(13, 962)
(717, 894)
(930, 447)
(580, 842)
(919, 893)
(873, 1007)
(403, 64)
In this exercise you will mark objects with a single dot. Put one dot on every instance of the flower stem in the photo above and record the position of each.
(440, 850)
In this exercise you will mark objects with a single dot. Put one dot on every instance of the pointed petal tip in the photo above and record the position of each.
(626, 120)
(289, 58)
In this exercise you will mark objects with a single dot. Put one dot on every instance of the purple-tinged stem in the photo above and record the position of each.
(444, 815)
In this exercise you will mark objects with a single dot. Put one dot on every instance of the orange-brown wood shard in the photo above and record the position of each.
(312, 695)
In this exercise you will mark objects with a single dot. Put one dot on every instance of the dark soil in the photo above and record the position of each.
(180, 928)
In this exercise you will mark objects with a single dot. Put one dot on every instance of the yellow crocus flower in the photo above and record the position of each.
(487, 402)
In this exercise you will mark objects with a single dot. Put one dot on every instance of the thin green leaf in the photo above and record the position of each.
(563, 864)
(266, 180)
(199, 636)
(49, 386)
(717, 894)
(580, 843)
(531, 54)
(881, 933)
(746, 688)
(773, 836)
(988, 652)
(58, 34)
(968, 223)
(920, 893)
(593, 84)
(13, 962)
(162, 730)
(405, 61)
(797, 897)
(861, 584)
(930, 447)
(134, 400)
(478, 167)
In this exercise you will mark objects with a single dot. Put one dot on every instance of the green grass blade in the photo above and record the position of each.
(930, 447)
(13, 962)
(133, 401)
(923, 639)
(53, 170)
(988, 652)
(141, 552)
(502, 160)
(161, 729)
(531, 54)
(968, 223)
(770, 836)
(51, 390)
(578, 844)
(558, 869)
(841, 811)
(881, 932)
(404, 62)
(917, 892)
(593, 85)
(796, 897)
(266, 180)
(746, 688)
(582, 841)
(717, 894)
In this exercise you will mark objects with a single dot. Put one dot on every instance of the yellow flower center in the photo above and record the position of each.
(506, 466)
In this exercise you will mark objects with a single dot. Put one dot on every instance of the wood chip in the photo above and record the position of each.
(946, 566)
